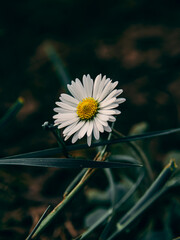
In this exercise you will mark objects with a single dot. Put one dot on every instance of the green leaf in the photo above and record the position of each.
(60, 69)
(11, 112)
(53, 151)
(159, 187)
(39, 222)
(65, 163)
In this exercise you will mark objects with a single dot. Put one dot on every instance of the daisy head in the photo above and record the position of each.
(89, 108)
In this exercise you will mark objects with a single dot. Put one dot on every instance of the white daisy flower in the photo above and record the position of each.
(87, 112)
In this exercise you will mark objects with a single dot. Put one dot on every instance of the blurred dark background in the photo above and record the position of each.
(134, 42)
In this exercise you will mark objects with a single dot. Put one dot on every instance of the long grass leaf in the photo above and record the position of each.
(53, 151)
(39, 222)
(152, 194)
(11, 113)
(109, 212)
(65, 163)
(61, 71)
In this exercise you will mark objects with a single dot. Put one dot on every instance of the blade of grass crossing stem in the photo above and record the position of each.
(118, 207)
(74, 182)
(11, 113)
(109, 212)
(113, 199)
(80, 175)
(153, 193)
(67, 198)
(53, 151)
(139, 152)
(122, 227)
(39, 222)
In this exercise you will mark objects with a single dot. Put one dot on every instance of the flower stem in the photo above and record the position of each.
(60, 141)
(67, 198)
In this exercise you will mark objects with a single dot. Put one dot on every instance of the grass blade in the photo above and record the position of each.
(39, 222)
(53, 151)
(152, 194)
(109, 212)
(61, 71)
(65, 163)
(11, 112)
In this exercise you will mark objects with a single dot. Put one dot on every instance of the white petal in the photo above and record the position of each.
(66, 138)
(69, 128)
(119, 91)
(102, 117)
(88, 84)
(104, 92)
(111, 95)
(73, 92)
(120, 100)
(83, 130)
(107, 102)
(106, 82)
(79, 87)
(99, 125)
(96, 85)
(67, 98)
(112, 119)
(75, 137)
(65, 106)
(108, 129)
(89, 140)
(95, 131)
(109, 112)
(62, 110)
(89, 132)
(85, 85)
(66, 123)
(104, 123)
(101, 87)
(65, 116)
(76, 128)
(113, 85)
(111, 106)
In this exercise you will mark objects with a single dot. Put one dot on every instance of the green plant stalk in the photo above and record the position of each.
(74, 182)
(61, 205)
(55, 132)
(81, 173)
(100, 157)
(39, 222)
(154, 192)
(109, 212)
(52, 151)
(122, 227)
(141, 155)
(154, 188)
(67, 199)
(61, 71)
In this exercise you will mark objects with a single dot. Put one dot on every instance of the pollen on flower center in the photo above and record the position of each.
(87, 108)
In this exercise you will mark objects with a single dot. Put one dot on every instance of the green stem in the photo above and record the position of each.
(157, 188)
(63, 203)
(141, 154)
(48, 126)
(11, 112)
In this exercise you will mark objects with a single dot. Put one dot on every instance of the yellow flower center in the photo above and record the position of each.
(87, 108)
